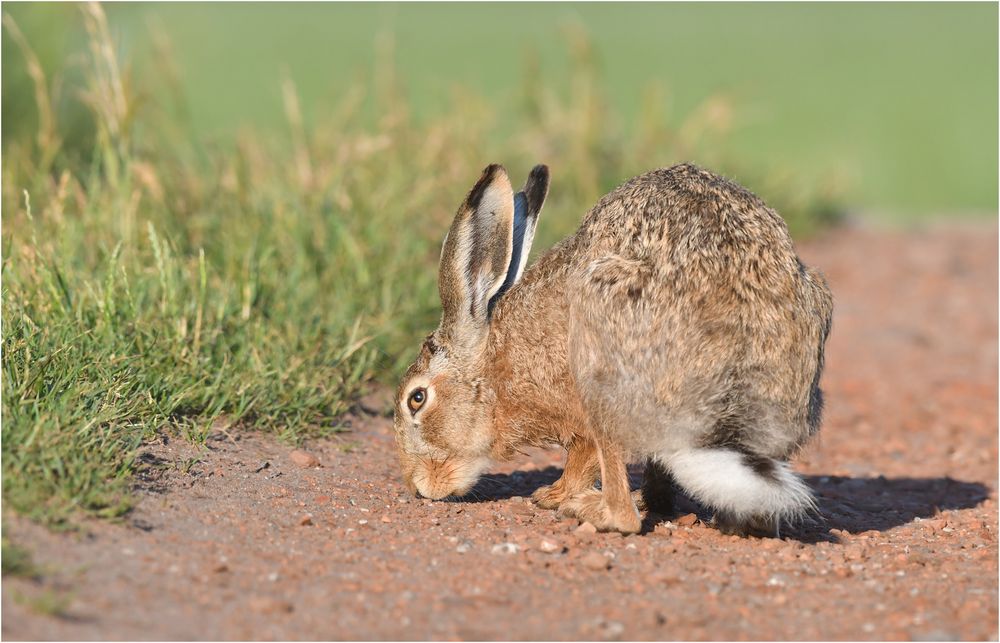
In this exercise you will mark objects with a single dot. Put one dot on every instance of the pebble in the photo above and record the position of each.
(609, 630)
(665, 577)
(464, 547)
(664, 529)
(505, 548)
(687, 520)
(306, 520)
(523, 509)
(303, 459)
(776, 581)
(268, 605)
(595, 561)
(586, 528)
(854, 552)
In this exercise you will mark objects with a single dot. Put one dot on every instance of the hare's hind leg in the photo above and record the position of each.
(658, 489)
(749, 494)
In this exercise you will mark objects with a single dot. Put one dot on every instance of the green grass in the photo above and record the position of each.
(156, 278)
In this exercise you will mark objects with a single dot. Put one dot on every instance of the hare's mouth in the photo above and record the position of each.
(437, 479)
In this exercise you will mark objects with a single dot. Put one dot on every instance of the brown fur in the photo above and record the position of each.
(677, 320)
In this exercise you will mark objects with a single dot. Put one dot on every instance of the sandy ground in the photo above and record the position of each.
(247, 544)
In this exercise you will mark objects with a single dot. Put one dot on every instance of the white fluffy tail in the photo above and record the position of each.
(747, 489)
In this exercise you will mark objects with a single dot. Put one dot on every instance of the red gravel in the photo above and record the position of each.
(905, 470)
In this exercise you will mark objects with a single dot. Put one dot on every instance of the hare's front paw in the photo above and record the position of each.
(550, 496)
(589, 506)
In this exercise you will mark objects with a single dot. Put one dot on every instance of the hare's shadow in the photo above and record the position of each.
(848, 504)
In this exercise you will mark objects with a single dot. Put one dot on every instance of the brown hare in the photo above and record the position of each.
(677, 326)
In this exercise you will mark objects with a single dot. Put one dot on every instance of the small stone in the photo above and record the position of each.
(609, 630)
(464, 547)
(523, 509)
(220, 568)
(586, 528)
(664, 529)
(854, 552)
(268, 605)
(306, 520)
(776, 581)
(303, 459)
(687, 520)
(505, 548)
(386, 519)
(595, 561)
(549, 547)
(665, 577)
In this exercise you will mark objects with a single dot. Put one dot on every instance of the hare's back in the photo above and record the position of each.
(689, 302)
(670, 213)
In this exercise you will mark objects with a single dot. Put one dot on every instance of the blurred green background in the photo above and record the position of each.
(897, 102)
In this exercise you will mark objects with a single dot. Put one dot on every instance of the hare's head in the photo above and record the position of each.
(444, 405)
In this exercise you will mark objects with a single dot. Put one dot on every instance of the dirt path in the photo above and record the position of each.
(248, 545)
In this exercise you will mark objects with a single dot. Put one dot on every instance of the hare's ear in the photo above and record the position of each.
(527, 205)
(476, 256)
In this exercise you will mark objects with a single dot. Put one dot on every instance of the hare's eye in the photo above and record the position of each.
(417, 399)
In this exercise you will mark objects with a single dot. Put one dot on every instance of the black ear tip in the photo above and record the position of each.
(539, 173)
(537, 187)
(490, 173)
(492, 170)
